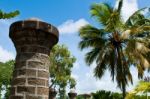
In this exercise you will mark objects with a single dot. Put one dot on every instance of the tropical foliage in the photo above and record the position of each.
(9, 15)
(143, 87)
(117, 44)
(102, 94)
(6, 70)
(60, 69)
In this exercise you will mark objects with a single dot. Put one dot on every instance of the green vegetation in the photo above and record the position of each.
(117, 45)
(143, 87)
(6, 70)
(9, 15)
(60, 69)
(102, 94)
(106, 95)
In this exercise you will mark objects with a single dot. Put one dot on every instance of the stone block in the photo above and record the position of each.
(18, 81)
(16, 97)
(34, 97)
(42, 91)
(36, 64)
(31, 72)
(36, 81)
(26, 89)
(43, 74)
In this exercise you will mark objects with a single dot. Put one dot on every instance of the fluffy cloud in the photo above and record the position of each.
(71, 26)
(76, 65)
(89, 84)
(5, 55)
(129, 7)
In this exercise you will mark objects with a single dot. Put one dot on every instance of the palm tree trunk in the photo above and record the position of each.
(122, 72)
(124, 90)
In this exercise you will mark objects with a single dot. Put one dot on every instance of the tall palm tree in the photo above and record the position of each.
(143, 87)
(117, 44)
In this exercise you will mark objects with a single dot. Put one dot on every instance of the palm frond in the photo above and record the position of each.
(92, 55)
(100, 68)
(89, 31)
(120, 5)
(86, 43)
(102, 12)
(112, 65)
(135, 16)
(91, 37)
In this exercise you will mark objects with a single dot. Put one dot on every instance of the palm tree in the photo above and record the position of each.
(143, 86)
(117, 44)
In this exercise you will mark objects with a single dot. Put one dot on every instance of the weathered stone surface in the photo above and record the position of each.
(42, 91)
(46, 97)
(33, 41)
(36, 81)
(34, 97)
(43, 74)
(52, 93)
(31, 72)
(46, 83)
(36, 64)
(18, 81)
(13, 90)
(26, 89)
(19, 65)
(72, 95)
(16, 97)
(21, 72)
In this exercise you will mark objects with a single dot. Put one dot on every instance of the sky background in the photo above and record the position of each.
(68, 16)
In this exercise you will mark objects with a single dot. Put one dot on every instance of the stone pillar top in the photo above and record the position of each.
(33, 24)
(72, 95)
(86, 95)
(33, 40)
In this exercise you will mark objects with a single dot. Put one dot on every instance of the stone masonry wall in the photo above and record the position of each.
(33, 41)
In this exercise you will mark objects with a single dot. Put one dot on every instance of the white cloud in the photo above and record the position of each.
(71, 26)
(87, 83)
(5, 55)
(76, 65)
(5, 41)
(75, 76)
(128, 8)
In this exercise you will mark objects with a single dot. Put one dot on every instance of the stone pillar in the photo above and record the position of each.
(33, 41)
(72, 95)
(87, 96)
(52, 93)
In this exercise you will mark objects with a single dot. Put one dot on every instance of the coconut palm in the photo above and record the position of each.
(142, 87)
(117, 44)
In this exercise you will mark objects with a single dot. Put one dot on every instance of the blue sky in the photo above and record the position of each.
(68, 16)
